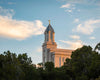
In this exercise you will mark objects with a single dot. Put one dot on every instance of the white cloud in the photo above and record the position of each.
(69, 7)
(10, 3)
(76, 20)
(92, 37)
(68, 10)
(90, 2)
(73, 44)
(39, 49)
(18, 29)
(6, 12)
(78, 10)
(75, 37)
(66, 6)
(87, 27)
(62, 46)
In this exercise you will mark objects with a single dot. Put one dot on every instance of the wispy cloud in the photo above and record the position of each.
(10, 3)
(87, 27)
(69, 7)
(75, 37)
(91, 37)
(90, 2)
(66, 6)
(76, 20)
(39, 49)
(72, 6)
(18, 29)
(73, 44)
(68, 10)
(6, 12)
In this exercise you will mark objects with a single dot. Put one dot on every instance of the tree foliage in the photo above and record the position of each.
(84, 64)
(97, 46)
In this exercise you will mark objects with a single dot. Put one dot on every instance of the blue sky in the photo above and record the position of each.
(22, 23)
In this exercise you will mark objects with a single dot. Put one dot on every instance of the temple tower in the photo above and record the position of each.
(49, 43)
(50, 51)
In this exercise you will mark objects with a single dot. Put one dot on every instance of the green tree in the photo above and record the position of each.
(98, 78)
(10, 67)
(97, 47)
(49, 66)
(84, 64)
(40, 64)
(29, 70)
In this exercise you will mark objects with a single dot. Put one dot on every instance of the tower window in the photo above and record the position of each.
(59, 61)
(47, 37)
(63, 59)
(51, 36)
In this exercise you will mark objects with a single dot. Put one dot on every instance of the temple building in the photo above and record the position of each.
(50, 51)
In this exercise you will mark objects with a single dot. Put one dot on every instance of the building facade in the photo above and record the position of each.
(50, 52)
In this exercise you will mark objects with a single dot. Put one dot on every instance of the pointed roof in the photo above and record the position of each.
(49, 28)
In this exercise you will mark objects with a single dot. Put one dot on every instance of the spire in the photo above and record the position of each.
(49, 21)
(49, 28)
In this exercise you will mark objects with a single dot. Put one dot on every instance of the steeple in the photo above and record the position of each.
(49, 28)
(49, 33)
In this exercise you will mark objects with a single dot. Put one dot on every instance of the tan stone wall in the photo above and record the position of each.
(60, 56)
(51, 52)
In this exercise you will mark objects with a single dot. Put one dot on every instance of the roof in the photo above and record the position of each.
(49, 28)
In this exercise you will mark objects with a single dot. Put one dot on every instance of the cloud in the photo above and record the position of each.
(69, 7)
(73, 44)
(92, 38)
(66, 6)
(73, 5)
(10, 3)
(87, 27)
(39, 49)
(6, 12)
(76, 20)
(59, 45)
(18, 29)
(75, 1)
(90, 2)
(68, 10)
(75, 37)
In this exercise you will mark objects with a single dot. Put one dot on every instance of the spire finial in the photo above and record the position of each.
(49, 21)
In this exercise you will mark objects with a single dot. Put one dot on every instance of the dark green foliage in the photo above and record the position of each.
(49, 66)
(97, 46)
(83, 65)
(98, 78)
(13, 67)
(10, 67)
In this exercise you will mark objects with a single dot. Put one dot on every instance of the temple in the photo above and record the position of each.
(50, 51)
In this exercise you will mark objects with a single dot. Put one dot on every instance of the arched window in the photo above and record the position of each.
(47, 37)
(59, 61)
(51, 36)
(63, 59)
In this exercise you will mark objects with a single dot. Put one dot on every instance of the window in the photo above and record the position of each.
(47, 37)
(59, 61)
(51, 36)
(63, 59)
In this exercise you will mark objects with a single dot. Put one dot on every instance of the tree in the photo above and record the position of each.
(13, 67)
(10, 67)
(84, 64)
(49, 66)
(40, 64)
(98, 78)
(97, 47)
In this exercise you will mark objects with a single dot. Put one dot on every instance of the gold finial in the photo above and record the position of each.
(49, 21)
